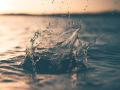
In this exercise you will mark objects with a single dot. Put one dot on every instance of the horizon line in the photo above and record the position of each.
(52, 14)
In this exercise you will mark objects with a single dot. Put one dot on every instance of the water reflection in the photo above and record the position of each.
(58, 82)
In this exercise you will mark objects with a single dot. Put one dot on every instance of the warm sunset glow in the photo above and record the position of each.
(58, 6)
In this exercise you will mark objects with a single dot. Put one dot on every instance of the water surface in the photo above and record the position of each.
(103, 67)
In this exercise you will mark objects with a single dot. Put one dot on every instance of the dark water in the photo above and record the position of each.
(102, 71)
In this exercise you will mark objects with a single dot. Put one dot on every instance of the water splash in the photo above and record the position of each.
(48, 55)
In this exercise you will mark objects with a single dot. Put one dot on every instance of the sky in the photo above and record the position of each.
(57, 6)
